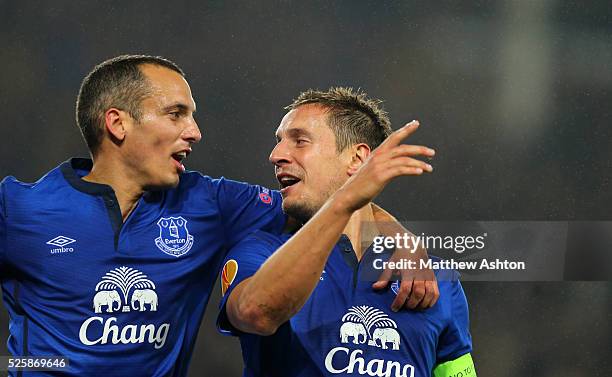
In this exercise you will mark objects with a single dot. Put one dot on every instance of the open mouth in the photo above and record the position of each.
(179, 157)
(287, 180)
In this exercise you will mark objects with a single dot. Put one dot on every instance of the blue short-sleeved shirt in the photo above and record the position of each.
(346, 328)
(118, 298)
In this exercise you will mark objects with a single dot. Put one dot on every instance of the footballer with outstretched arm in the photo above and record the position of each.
(313, 313)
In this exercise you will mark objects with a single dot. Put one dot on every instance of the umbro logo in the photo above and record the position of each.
(61, 242)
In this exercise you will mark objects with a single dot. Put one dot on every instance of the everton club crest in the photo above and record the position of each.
(174, 238)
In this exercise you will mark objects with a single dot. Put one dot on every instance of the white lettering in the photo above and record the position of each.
(449, 264)
(354, 360)
(83, 331)
(174, 241)
(380, 366)
(329, 358)
(160, 338)
(375, 367)
(401, 264)
(377, 245)
(145, 329)
(132, 338)
(398, 368)
(62, 250)
(108, 328)
(377, 264)
(411, 242)
(502, 265)
(129, 334)
(389, 244)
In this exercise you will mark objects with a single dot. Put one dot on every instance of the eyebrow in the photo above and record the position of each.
(295, 133)
(178, 106)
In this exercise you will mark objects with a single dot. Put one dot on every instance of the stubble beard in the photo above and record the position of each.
(305, 208)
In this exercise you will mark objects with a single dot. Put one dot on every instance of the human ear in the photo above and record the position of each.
(359, 154)
(115, 123)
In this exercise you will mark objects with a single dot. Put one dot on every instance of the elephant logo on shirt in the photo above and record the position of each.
(370, 324)
(174, 238)
(118, 285)
(144, 296)
(385, 335)
(354, 330)
(108, 299)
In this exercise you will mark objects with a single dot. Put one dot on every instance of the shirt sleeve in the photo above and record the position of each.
(455, 340)
(462, 366)
(246, 208)
(242, 262)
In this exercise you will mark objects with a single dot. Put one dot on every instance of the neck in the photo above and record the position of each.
(361, 229)
(127, 191)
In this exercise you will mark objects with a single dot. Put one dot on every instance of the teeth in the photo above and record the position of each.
(288, 181)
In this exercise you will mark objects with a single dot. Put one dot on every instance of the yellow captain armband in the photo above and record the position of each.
(461, 367)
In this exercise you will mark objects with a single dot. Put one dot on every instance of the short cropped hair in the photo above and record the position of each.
(117, 82)
(353, 117)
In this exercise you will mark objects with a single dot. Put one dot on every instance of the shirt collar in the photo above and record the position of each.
(75, 169)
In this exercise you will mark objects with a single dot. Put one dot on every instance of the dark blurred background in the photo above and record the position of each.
(515, 96)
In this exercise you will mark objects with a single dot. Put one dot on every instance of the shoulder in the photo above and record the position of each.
(273, 240)
(260, 238)
(196, 181)
(193, 179)
(234, 196)
(194, 189)
(24, 204)
(14, 190)
(199, 188)
(259, 245)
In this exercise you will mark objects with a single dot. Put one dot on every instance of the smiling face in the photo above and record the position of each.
(308, 166)
(154, 147)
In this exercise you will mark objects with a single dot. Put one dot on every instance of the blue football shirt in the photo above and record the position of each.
(118, 298)
(346, 328)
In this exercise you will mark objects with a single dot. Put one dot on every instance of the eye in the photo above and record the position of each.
(175, 114)
(301, 141)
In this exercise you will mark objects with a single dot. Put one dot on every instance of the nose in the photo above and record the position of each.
(192, 132)
(280, 155)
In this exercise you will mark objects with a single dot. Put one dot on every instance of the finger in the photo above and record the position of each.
(430, 294)
(436, 291)
(404, 292)
(383, 279)
(403, 170)
(412, 150)
(410, 162)
(397, 136)
(417, 294)
(380, 284)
